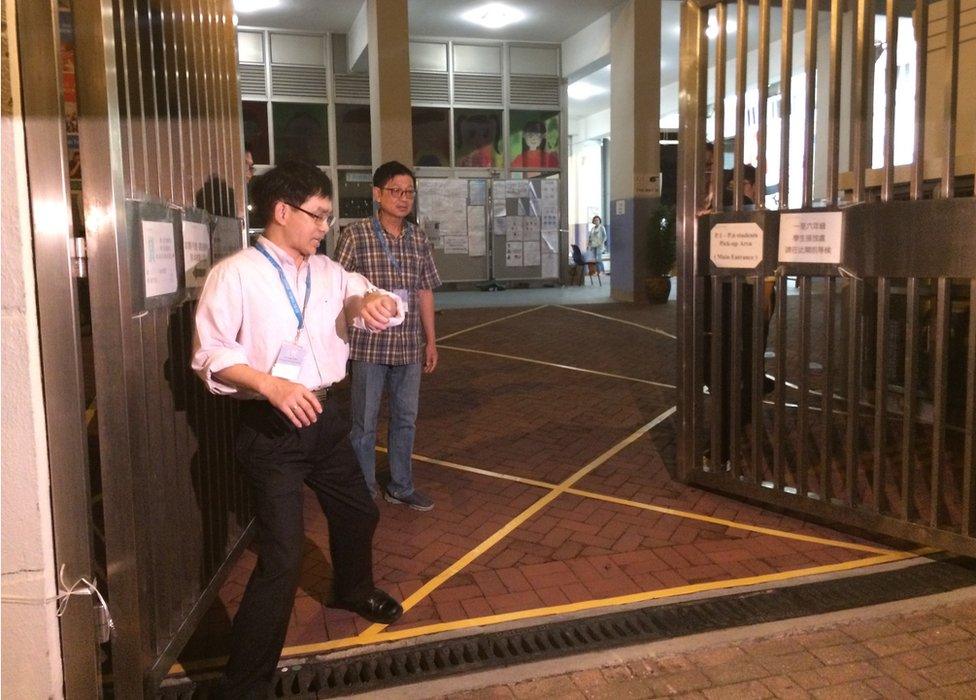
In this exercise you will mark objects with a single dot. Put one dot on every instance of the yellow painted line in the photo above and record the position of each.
(620, 320)
(90, 413)
(488, 323)
(688, 515)
(458, 565)
(552, 364)
(580, 606)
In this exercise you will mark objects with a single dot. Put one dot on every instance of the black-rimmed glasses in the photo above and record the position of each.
(327, 219)
(400, 194)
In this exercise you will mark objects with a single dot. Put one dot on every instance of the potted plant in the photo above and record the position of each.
(661, 229)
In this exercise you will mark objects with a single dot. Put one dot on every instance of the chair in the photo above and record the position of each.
(579, 265)
(584, 267)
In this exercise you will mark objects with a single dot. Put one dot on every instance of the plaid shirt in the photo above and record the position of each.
(358, 250)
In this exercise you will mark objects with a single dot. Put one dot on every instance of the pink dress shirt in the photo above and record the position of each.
(243, 316)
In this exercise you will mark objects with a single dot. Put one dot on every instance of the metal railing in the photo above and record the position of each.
(840, 383)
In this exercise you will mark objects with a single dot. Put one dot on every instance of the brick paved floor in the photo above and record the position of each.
(514, 419)
(916, 654)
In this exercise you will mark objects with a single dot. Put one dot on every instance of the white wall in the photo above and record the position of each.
(31, 658)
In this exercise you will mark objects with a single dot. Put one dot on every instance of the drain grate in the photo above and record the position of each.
(309, 678)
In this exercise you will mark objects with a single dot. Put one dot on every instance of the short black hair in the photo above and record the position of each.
(390, 170)
(749, 173)
(291, 182)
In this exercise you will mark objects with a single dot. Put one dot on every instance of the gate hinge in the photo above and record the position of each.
(79, 257)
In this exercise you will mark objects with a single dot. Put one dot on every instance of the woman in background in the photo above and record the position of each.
(596, 241)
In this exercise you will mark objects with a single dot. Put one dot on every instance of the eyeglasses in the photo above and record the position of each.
(327, 219)
(400, 194)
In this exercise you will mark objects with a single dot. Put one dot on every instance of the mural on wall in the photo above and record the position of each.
(534, 139)
(477, 138)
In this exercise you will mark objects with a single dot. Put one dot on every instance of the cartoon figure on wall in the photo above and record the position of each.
(534, 139)
(476, 139)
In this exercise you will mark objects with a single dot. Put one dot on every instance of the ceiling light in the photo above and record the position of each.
(245, 6)
(494, 15)
(582, 90)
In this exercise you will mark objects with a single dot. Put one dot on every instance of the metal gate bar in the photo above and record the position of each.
(871, 419)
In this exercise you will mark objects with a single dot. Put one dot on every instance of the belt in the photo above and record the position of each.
(321, 393)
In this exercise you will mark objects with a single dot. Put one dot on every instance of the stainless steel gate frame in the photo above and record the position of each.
(871, 423)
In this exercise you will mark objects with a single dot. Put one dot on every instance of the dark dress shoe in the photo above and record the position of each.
(378, 606)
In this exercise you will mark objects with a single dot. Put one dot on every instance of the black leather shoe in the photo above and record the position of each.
(378, 606)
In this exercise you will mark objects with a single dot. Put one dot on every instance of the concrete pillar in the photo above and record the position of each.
(635, 114)
(31, 647)
(389, 81)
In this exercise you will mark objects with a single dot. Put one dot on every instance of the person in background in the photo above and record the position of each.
(270, 332)
(248, 163)
(393, 252)
(596, 241)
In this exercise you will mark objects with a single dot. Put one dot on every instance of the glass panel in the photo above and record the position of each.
(431, 136)
(428, 57)
(353, 135)
(300, 132)
(534, 139)
(528, 60)
(250, 47)
(255, 116)
(297, 49)
(478, 59)
(355, 194)
(477, 138)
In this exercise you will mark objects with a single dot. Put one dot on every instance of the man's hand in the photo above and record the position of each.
(295, 401)
(430, 358)
(377, 311)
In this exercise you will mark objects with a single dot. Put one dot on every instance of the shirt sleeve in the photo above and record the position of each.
(429, 278)
(219, 315)
(345, 250)
(355, 285)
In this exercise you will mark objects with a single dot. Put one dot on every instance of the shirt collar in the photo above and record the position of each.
(283, 257)
(405, 233)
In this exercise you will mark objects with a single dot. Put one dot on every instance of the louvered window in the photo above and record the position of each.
(299, 81)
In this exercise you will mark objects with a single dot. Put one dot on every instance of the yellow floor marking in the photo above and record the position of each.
(641, 597)
(552, 364)
(90, 413)
(688, 515)
(480, 549)
(619, 320)
(488, 323)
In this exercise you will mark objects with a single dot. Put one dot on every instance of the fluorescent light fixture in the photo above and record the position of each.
(494, 15)
(245, 6)
(582, 90)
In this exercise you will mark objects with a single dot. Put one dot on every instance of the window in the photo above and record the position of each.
(431, 136)
(353, 136)
(300, 132)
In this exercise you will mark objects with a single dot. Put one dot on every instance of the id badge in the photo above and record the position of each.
(404, 295)
(289, 362)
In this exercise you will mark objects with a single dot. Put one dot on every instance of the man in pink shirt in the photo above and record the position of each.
(271, 331)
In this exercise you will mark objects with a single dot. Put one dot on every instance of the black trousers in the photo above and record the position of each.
(277, 459)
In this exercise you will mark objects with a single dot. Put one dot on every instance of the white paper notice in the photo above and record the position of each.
(530, 254)
(456, 244)
(513, 255)
(476, 231)
(159, 258)
(476, 192)
(513, 228)
(196, 252)
(811, 237)
(550, 265)
(550, 193)
(736, 245)
(530, 228)
(550, 242)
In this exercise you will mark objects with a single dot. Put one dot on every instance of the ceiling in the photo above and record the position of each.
(545, 21)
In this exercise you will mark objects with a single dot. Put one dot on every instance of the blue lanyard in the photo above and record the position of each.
(378, 230)
(299, 313)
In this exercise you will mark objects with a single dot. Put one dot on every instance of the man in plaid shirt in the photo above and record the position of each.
(396, 255)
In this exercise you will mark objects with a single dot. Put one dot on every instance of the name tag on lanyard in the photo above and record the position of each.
(291, 355)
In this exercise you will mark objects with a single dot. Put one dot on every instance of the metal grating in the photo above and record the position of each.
(423, 662)
(252, 79)
(352, 86)
(299, 81)
(429, 87)
(534, 90)
(477, 89)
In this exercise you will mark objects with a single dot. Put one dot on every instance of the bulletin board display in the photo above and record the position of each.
(453, 212)
(525, 229)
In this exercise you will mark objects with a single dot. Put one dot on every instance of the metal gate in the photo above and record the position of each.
(160, 149)
(828, 333)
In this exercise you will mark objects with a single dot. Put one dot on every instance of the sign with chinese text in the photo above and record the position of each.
(811, 237)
